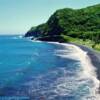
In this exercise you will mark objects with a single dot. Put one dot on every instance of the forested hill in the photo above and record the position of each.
(75, 23)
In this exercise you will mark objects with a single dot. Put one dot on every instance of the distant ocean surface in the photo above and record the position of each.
(45, 71)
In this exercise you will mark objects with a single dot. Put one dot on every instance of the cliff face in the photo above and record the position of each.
(80, 23)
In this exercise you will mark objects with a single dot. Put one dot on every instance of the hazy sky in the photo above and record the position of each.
(18, 16)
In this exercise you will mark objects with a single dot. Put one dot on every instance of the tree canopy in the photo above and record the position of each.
(77, 23)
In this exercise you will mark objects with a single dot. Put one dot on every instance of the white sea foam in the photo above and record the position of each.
(17, 37)
(88, 70)
(20, 36)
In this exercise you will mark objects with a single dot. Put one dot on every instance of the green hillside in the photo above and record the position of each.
(71, 23)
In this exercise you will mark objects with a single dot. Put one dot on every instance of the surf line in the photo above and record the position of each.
(89, 71)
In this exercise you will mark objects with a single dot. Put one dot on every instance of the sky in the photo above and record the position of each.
(18, 16)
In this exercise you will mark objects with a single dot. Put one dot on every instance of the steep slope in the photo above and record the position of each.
(78, 23)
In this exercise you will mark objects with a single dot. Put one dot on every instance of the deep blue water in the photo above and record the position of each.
(36, 70)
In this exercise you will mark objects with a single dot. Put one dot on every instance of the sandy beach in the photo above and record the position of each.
(95, 59)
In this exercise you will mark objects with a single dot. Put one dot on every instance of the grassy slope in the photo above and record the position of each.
(87, 42)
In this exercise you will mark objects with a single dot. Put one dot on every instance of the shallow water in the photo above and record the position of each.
(48, 71)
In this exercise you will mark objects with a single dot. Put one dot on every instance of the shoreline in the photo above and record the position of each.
(95, 59)
(94, 56)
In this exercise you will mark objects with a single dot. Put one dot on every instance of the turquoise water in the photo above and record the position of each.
(36, 70)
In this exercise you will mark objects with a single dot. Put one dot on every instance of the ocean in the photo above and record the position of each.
(45, 71)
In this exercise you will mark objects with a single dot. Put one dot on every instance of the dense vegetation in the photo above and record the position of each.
(74, 23)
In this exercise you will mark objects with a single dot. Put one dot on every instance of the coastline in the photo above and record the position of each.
(93, 60)
(94, 57)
